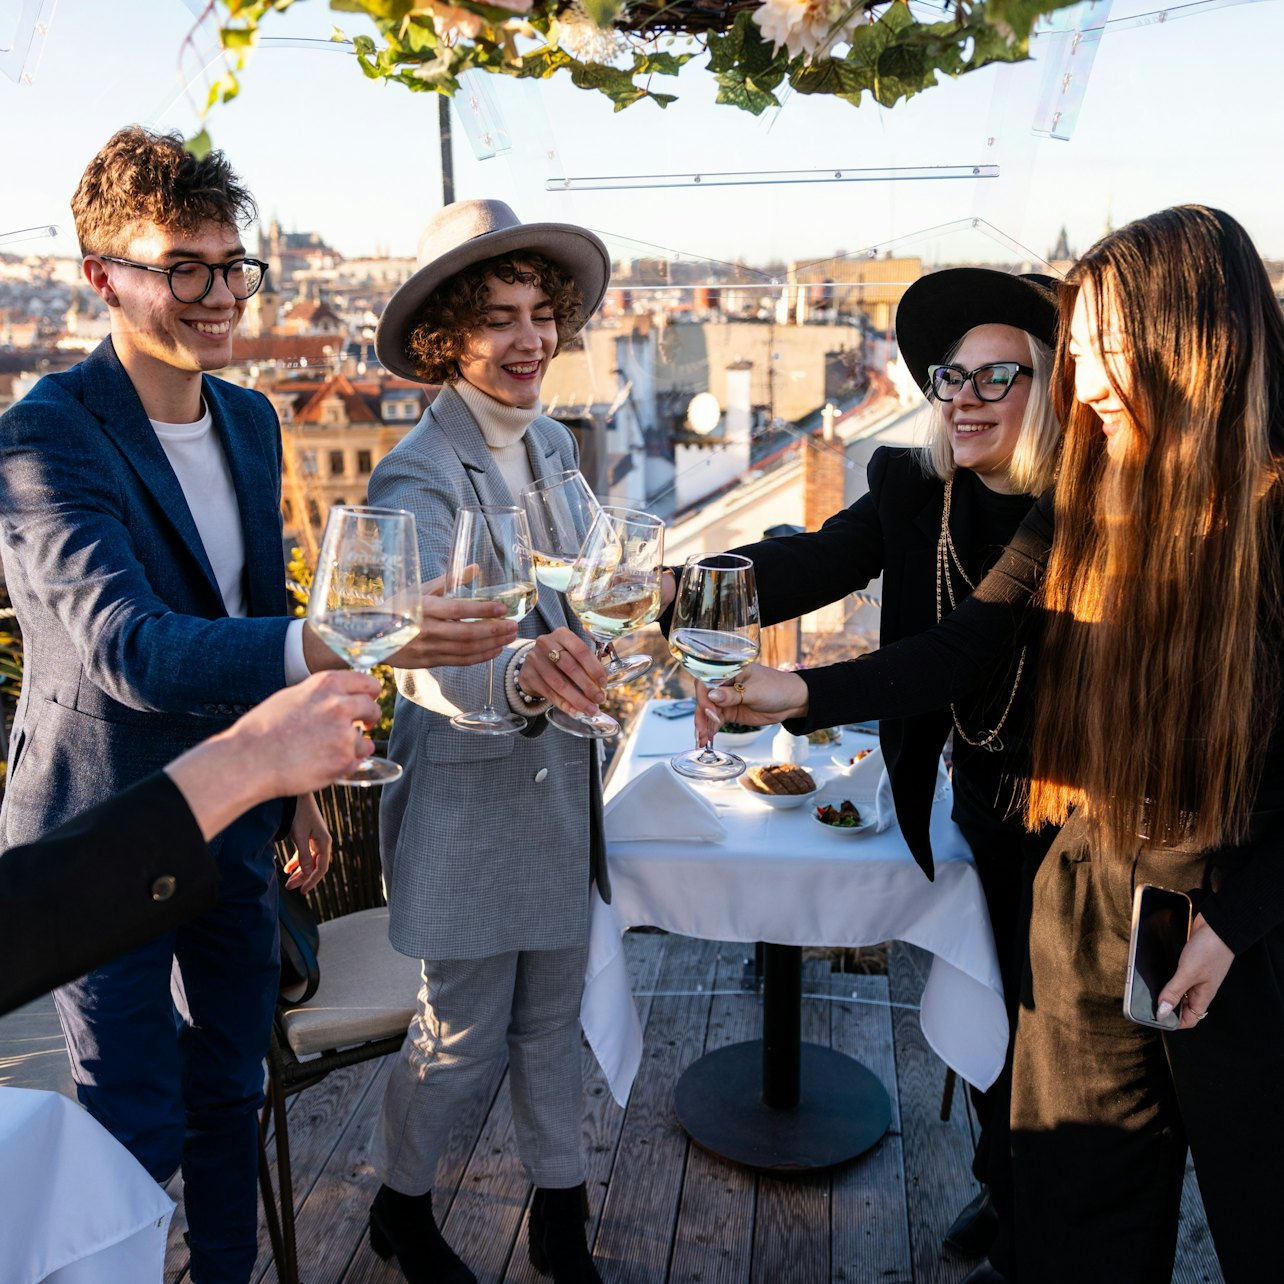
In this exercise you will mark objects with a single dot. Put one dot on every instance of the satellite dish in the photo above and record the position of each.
(704, 414)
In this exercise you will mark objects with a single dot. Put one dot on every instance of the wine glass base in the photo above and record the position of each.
(490, 723)
(601, 726)
(708, 764)
(620, 671)
(373, 771)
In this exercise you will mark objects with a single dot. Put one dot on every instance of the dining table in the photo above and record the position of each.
(75, 1206)
(711, 860)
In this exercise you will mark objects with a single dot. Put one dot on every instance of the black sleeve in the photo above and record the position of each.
(1247, 896)
(107, 881)
(795, 574)
(943, 664)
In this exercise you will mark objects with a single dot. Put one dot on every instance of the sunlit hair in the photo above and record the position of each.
(143, 177)
(458, 306)
(1159, 670)
(1034, 459)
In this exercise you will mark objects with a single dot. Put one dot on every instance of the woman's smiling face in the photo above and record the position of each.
(1097, 348)
(507, 354)
(983, 434)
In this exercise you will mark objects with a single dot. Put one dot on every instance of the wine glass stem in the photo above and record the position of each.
(490, 689)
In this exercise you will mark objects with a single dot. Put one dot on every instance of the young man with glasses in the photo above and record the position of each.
(140, 505)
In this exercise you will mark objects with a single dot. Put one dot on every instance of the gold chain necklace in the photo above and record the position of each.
(947, 554)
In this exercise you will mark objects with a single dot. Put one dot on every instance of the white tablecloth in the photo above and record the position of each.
(778, 877)
(75, 1206)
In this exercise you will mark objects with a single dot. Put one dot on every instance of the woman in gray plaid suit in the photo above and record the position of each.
(490, 843)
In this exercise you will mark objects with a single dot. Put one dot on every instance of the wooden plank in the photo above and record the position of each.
(635, 1237)
(870, 1234)
(603, 1118)
(938, 1156)
(713, 1238)
(791, 1233)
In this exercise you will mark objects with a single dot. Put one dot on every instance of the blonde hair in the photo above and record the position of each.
(1160, 667)
(1034, 458)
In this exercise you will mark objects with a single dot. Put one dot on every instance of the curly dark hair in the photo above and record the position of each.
(144, 177)
(458, 306)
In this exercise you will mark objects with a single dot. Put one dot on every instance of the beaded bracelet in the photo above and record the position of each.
(515, 675)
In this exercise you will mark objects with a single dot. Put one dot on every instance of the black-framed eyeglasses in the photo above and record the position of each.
(992, 382)
(190, 280)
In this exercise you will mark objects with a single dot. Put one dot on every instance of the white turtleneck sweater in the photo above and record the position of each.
(503, 429)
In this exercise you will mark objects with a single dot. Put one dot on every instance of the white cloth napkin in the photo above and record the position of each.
(657, 804)
(868, 783)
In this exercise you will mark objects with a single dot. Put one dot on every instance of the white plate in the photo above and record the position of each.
(845, 768)
(868, 818)
(778, 802)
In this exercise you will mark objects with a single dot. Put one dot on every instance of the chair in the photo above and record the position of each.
(367, 997)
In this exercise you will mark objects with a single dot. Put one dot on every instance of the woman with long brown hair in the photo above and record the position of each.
(1158, 741)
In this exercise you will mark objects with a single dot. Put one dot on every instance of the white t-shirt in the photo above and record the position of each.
(200, 464)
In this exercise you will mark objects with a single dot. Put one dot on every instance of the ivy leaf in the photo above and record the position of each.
(602, 12)
(658, 63)
(743, 48)
(238, 38)
(1019, 16)
(379, 10)
(199, 144)
(737, 91)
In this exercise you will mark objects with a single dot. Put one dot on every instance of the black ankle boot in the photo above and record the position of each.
(404, 1224)
(556, 1236)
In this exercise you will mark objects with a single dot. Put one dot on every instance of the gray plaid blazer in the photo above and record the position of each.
(489, 843)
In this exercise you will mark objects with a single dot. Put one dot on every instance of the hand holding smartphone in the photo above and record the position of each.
(1161, 921)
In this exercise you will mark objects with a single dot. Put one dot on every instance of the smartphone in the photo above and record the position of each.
(675, 709)
(1160, 929)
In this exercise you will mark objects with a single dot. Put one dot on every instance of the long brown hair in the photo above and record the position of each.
(1160, 656)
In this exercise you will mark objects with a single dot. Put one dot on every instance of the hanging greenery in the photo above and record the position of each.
(755, 48)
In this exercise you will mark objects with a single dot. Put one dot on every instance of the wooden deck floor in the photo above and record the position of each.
(664, 1211)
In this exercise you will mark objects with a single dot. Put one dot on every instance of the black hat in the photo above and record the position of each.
(940, 308)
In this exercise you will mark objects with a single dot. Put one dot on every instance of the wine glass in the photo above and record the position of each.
(563, 510)
(714, 636)
(365, 603)
(615, 584)
(490, 561)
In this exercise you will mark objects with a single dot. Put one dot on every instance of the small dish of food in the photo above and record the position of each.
(779, 784)
(847, 762)
(843, 817)
(735, 735)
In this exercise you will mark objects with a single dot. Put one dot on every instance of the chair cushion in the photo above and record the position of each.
(367, 991)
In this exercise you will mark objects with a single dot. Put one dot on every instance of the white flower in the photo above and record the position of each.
(810, 27)
(578, 35)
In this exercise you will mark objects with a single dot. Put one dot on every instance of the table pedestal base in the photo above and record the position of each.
(842, 1110)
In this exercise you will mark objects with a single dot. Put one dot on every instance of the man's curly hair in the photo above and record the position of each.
(458, 306)
(144, 177)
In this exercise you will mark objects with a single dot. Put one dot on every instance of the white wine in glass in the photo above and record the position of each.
(562, 511)
(615, 584)
(365, 603)
(490, 561)
(715, 634)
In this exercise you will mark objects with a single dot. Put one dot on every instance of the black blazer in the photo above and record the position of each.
(893, 531)
(103, 883)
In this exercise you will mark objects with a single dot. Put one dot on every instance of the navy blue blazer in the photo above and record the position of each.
(131, 657)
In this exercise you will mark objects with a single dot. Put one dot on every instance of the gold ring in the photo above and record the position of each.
(738, 686)
(1199, 1016)
(554, 654)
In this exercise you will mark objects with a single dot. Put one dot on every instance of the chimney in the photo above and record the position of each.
(824, 474)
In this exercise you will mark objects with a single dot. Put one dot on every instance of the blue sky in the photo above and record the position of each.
(1184, 110)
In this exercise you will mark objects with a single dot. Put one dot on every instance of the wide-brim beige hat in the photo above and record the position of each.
(467, 232)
